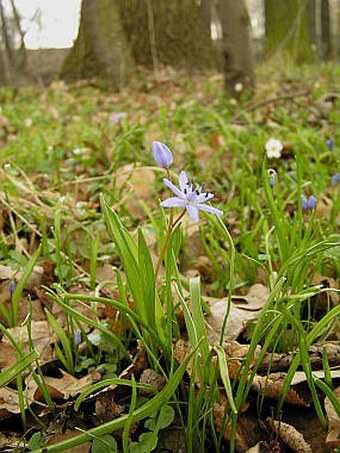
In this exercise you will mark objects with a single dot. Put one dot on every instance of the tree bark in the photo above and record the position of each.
(311, 19)
(325, 30)
(101, 48)
(236, 47)
(3, 78)
(21, 54)
(206, 15)
(286, 30)
(181, 37)
(9, 57)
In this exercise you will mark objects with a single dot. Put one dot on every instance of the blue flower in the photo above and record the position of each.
(162, 154)
(115, 118)
(308, 204)
(190, 197)
(77, 337)
(11, 286)
(330, 143)
(335, 179)
(272, 177)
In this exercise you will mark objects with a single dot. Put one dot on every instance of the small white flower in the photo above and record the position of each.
(238, 87)
(79, 151)
(273, 148)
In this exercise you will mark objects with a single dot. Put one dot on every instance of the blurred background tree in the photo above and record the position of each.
(12, 45)
(117, 36)
(286, 30)
(101, 47)
(236, 47)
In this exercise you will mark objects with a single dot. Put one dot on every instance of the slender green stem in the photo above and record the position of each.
(171, 226)
(171, 217)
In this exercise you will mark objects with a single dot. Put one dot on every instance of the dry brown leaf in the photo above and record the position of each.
(42, 337)
(62, 435)
(271, 386)
(333, 419)
(65, 387)
(300, 376)
(246, 430)
(9, 402)
(11, 442)
(140, 361)
(324, 207)
(137, 184)
(181, 351)
(254, 300)
(6, 272)
(290, 436)
(255, 449)
(282, 361)
(239, 315)
(151, 377)
(235, 353)
(106, 409)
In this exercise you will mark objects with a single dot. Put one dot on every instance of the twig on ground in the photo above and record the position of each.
(273, 99)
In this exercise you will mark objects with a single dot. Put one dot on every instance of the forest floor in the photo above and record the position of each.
(234, 343)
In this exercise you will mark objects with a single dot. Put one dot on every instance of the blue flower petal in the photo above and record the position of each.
(203, 197)
(211, 209)
(193, 212)
(174, 202)
(175, 190)
(183, 180)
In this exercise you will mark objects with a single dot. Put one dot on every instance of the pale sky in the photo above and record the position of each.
(48, 23)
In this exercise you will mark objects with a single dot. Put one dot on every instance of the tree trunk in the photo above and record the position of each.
(325, 31)
(236, 48)
(311, 19)
(178, 33)
(335, 14)
(8, 59)
(286, 30)
(101, 48)
(3, 78)
(21, 59)
(206, 15)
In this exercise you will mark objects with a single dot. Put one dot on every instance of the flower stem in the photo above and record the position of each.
(171, 226)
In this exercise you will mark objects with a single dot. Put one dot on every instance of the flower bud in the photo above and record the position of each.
(312, 202)
(11, 286)
(330, 143)
(162, 154)
(335, 179)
